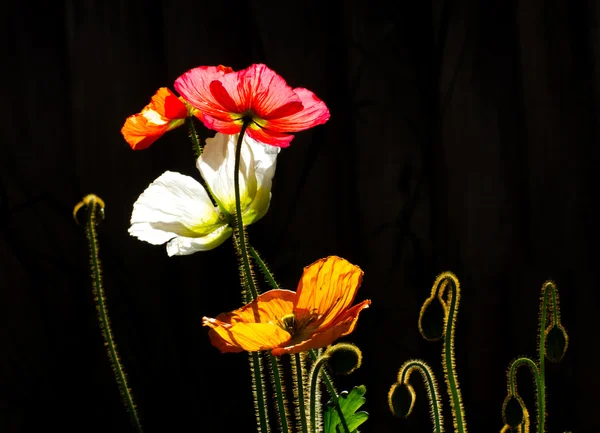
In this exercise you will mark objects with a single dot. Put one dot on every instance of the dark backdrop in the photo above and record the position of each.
(463, 136)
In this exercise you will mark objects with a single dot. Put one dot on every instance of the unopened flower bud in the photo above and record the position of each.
(343, 358)
(512, 411)
(556, 343)
(431, 320)
(401, 399)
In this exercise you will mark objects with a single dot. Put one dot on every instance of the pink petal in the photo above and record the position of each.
(194, 87)
(268, 137)
(315, 112)
(259, 89)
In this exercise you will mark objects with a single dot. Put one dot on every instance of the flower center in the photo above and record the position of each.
(288, 323)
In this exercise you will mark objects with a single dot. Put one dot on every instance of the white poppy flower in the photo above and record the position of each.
(177, 209)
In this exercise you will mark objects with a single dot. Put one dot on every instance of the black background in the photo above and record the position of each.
(463, 136)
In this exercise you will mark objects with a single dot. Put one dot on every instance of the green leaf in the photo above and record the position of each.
(349, 404)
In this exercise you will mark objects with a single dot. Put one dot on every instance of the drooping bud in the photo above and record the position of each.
(512, 411)
(556, 343)
(401, 399)
(431, 319)
(343, 358)
(80, 212)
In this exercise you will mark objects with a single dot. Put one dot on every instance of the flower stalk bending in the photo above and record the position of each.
(95, 213)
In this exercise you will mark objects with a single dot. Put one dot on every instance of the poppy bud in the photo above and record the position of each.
(401, 399)
(431, 320)
(556, 343)
(80, 212)
(343, 358)
(512, 411)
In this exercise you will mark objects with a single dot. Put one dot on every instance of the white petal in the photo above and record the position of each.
(257, 168)
(182, 246)
(174, 205)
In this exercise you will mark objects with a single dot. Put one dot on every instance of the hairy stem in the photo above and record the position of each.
(94, 206)
(435, 402)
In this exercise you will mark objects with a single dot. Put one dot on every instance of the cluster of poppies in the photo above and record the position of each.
(177, 210)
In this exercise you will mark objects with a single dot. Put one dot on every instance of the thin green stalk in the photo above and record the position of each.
(260, 403)
(332, 392)
(95, 205)
(281, 403)
(300, 389)
(432, 389)
(542, 359)
(314, 384)
(193, 136)
(251, 293)
(263, 268)
(449, 280)
(241, 234)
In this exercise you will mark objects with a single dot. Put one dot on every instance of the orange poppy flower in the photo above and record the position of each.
(283, 321)
(165, 112)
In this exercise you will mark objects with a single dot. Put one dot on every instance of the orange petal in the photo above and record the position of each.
(139, 133)
(168, 105)
(269, 307)
(250, 337)
(327, 288)
(343, 326)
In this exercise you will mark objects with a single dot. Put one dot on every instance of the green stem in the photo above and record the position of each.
(432, 390)
(241, 234)
(250, 292)
(193, 136)
(542, 360)
(332, 391)
(300, 388)
(260, 402)
(314, 383)
(263, 268)
(281, 406)
(100, 300)
(448, 353)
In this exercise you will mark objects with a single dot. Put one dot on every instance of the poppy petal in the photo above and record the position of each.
(257, 168)
(327, 288)
(260, 89)
(266, 136)
(175, 205)
(139, 133)
(314, 112)
(194, 87)
(168, 105)
(250, 337)
(343, 326)
(268, 307)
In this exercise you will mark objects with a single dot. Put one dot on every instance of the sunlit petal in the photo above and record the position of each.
(175, 205)
(327, 288)
(257, 168)
(344, 325)
(194, 87)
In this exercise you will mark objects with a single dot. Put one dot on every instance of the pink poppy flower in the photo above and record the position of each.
(224, 99)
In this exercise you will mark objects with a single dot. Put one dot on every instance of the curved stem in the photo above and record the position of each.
(541, 414)
(93, 207)
(449, 280)
(332, 392)
(314, 383)
(432, 389)
(512, 374)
